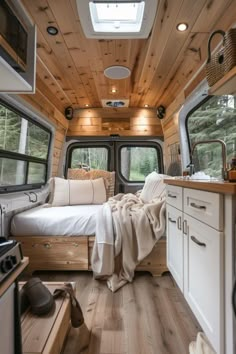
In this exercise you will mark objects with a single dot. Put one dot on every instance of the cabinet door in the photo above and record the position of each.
(175, 244)
(204, 278)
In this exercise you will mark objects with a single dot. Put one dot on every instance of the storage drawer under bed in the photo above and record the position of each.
(55, 252)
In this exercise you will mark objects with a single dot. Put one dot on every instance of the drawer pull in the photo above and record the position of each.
(194, 239)
(202, 207)
(171, 195)
(47, 245)
(171, 220)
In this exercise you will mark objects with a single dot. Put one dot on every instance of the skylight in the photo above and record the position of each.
(117, 17)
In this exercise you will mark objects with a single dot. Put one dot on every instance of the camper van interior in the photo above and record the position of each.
(117, 176)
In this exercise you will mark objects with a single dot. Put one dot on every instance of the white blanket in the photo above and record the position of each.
(128, 228)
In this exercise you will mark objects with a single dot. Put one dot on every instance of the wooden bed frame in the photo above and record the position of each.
(74, 253)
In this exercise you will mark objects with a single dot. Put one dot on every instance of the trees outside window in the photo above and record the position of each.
(24, 147)
(214, 119)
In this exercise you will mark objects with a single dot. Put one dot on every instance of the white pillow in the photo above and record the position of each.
(60, 192)
(76, 192)
(87, 191)
(154, 187)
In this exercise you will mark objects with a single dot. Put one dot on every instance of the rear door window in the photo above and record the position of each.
(136, 162)
(89, 158)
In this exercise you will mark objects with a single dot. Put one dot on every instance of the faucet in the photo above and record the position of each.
(224, 165)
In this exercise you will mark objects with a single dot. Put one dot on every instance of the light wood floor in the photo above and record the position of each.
(149, 316)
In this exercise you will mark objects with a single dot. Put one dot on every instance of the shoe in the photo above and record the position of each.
(40, 298)
(76, 314)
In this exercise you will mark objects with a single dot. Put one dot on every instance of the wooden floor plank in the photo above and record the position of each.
(148, 316)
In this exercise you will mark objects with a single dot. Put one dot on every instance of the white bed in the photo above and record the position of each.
(56, 221)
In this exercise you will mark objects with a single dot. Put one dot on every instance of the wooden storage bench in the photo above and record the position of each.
(74, 253)
(46, 334)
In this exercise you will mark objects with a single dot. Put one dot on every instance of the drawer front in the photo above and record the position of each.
(203, 281)
(57, 252)
(204, 206)
(174, 196)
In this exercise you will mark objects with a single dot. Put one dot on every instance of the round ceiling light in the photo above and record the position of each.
(117, 72)
(182, 27)
(53, 31)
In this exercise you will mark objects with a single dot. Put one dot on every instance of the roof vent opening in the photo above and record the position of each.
(115, 103)
(117, 18)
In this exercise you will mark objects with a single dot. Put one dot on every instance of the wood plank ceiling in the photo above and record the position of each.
(70, 67)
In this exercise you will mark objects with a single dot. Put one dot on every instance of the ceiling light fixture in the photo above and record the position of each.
(117, 72)
(86, 105)
(117, 18)
(181, 27)
(146, 105)
(53, 31)
(113, 90)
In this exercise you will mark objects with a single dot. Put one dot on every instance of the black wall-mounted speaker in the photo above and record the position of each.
(161, 112)
(69, 113)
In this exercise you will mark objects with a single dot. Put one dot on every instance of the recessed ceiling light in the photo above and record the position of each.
(146, 105)
(53, 31)
(182, 27)
(117, 18)
(117, 72)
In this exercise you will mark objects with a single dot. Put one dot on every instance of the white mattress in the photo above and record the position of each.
(56, 221)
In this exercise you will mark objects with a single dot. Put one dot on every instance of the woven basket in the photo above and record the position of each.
(224, 60)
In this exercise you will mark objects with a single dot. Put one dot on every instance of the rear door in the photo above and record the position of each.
(131, 159)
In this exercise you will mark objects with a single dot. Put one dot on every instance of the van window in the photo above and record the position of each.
(138, 161)
(89, 158)
(213, 119)
(24, 148)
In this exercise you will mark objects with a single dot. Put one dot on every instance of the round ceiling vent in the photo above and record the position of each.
(117, 72)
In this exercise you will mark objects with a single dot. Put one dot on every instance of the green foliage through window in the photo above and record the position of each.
(24, 149)
(214, 119)
(90, 158)
(138, 161)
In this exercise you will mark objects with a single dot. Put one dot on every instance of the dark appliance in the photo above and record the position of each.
(13, 38)
(10, 257)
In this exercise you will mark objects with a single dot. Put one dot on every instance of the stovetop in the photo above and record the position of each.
(10, 256)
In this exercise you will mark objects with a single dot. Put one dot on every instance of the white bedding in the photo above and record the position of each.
(56, 221)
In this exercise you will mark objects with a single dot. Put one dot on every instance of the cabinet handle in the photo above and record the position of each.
(179, 223)
(171, 195)
(198, 206)
(194, 239)
(171, 220)
(185, 227)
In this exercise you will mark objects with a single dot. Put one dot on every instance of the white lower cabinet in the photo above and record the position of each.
(195, 260)
(175, 250)
(203, 278)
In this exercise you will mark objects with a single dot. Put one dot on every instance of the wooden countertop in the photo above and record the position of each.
(209, 186)
(12, 277)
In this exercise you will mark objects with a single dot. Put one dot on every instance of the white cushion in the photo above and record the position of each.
(76, 192)
(87, 191)
(153, 188)
(60, 192)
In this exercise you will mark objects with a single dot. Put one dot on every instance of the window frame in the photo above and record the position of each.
(155, 146)
(23, 157)
(81, 145)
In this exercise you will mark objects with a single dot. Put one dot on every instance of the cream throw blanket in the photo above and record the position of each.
(128, 228)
